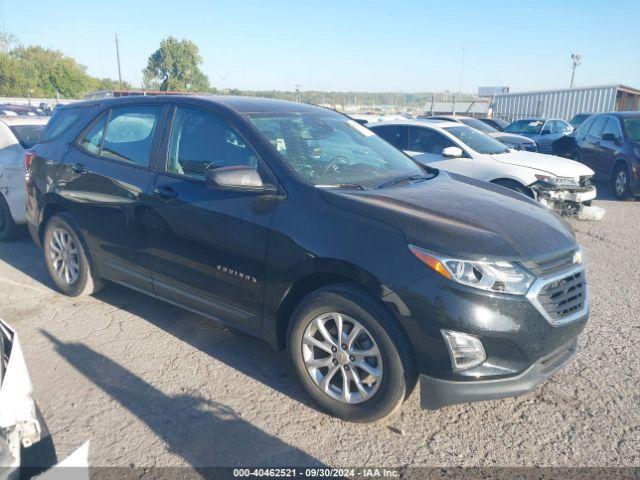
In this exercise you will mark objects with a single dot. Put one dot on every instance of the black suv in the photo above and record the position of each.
(299, 225)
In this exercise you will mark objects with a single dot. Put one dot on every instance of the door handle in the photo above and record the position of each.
(164, 192)
(78, 168)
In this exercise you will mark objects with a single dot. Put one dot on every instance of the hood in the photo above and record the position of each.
(558, 166)
(462, 217)
(511, 138)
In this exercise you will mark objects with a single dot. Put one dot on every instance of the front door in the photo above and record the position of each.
(426, 145)
(208, 246)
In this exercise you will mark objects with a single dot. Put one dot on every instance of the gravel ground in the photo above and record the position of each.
(152, 385)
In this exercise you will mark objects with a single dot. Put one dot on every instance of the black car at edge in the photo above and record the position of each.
(298, 225)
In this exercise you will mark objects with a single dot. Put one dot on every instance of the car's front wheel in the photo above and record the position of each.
(350, 354)
(67, 259)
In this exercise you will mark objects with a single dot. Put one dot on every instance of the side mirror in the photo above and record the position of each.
(609, 137)
(546, 131)
(238, 178)
(452, 152)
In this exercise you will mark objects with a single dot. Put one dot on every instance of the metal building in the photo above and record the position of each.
(565, 103)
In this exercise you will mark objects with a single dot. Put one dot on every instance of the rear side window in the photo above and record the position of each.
(426, 140)
(597, 126)
(27, 135)
(396, 135)
(61, 120)
(125, 134)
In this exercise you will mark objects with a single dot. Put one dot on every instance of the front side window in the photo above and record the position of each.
(202, 140)
(426, 140)
(129, 134)
(477, 141)
(326, 149)
(632, 128)
(612, 128)
(525, 126)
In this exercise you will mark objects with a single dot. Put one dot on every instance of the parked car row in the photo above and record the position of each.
(299, 225)
(561, 184)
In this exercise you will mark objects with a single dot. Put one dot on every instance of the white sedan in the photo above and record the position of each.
(17, 135)
(561, 184)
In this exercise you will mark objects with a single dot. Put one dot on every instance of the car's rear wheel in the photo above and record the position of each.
(8, 228)
(620, 182)
(350, 354)
(67, 258)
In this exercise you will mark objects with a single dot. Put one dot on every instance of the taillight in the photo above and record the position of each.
(28, 158)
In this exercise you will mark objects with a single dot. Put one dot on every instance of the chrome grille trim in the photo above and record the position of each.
(549, 265)
(571, 301)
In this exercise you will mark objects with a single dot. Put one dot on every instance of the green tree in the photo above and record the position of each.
(175, 67)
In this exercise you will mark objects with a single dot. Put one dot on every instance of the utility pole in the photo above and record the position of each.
(576, 61)
(461, 72)
(118, 57)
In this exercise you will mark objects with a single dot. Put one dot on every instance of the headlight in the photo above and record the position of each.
(559, 181)
(493, 276)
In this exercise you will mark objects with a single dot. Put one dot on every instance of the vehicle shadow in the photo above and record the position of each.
(245, 353)
(203, 432)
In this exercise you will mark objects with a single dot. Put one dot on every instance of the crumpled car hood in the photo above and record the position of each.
(463, 217)
(558, 166)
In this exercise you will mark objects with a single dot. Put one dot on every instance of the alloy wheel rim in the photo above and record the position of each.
(63, 256)
(621, 182)
(342, 358)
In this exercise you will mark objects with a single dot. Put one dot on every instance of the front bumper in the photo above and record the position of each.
(436, 393)
(566, 201)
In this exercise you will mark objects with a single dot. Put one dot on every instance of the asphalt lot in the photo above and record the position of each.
(152, 385)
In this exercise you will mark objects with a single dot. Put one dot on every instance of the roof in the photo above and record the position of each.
(238, 104)
(627, 114)
(417, 123)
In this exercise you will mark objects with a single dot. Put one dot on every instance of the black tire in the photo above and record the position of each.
(8, 228)
(399, 370)
(41, 455)
(86, 282)
(513, 185)
(621, 174)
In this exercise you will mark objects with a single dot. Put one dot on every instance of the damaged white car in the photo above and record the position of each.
(17, 135)
(561, 184)
(26, 447)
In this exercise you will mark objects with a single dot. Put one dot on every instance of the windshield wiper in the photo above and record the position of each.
(341, 185)
(410, 178)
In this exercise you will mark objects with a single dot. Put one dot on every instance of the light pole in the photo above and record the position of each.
(576, 61)
(461, 72)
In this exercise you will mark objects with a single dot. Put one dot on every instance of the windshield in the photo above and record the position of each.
(476, 140)
(632, 128)
(329, 149)
(27, 135)
(478, 125)
(576, 121)
(525, 126)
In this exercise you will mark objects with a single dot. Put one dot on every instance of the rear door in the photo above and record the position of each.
(426, 145)
(591, 140)
(607, 148)
(208, 246)
(107, 172)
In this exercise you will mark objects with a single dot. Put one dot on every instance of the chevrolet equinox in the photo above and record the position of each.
(299, 225)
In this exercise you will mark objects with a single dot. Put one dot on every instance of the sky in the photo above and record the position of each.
(401, 45)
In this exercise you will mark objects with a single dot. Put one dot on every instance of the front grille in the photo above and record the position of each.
(564, 297)
(549, 266)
